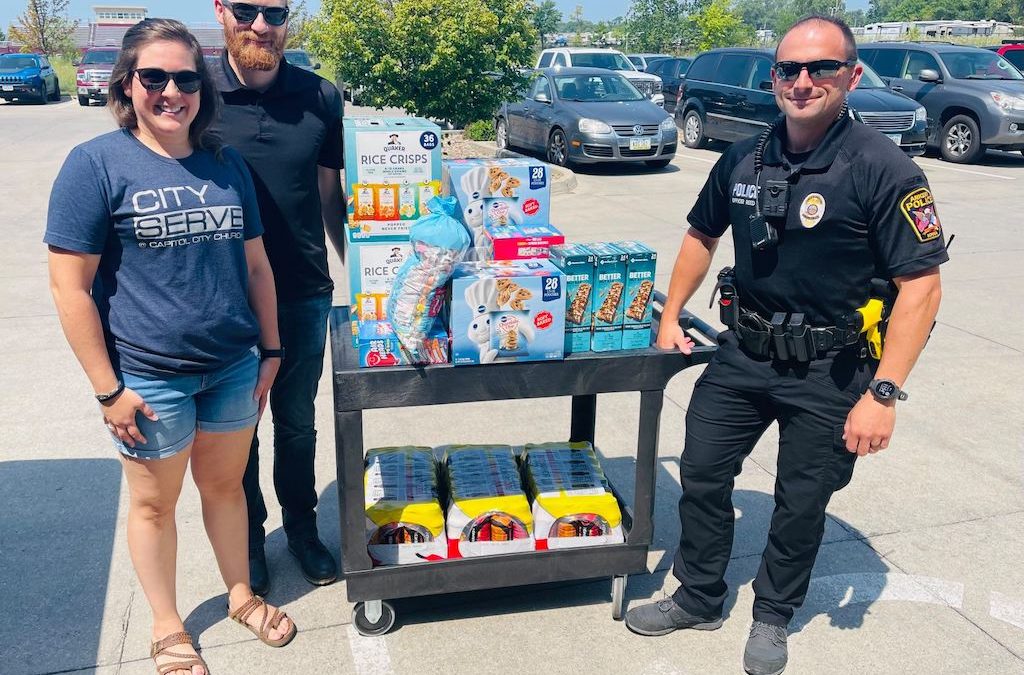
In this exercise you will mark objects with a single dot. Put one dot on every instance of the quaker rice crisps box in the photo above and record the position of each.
(392, 169)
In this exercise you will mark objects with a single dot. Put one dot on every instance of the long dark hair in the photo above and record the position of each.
(168, 30)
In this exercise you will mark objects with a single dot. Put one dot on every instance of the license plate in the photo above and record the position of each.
(639, 144)
(895, 138)
(7, 87)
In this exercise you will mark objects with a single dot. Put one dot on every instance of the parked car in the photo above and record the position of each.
(28, 77)
(1012, 51)
(727, 95)
(579, 57)
(587, 115)
(643, 62)
(93, 74)
(300, 58)
(671, 71)
(974, 97)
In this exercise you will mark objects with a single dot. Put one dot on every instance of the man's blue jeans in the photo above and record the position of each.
(303, 326)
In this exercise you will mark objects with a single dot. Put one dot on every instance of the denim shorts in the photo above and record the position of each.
(218, 401)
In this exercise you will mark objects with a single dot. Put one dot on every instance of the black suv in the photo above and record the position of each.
(974, 97)
(727, 95)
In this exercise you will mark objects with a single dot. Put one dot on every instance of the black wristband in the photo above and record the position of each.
(111, 395)
(271, 353)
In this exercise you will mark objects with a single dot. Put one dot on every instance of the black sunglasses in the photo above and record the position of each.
(156, 79)
(246, 13)
(822, 69)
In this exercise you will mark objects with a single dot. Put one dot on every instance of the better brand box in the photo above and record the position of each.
(577, 263)
(392, 169)
(521, 242)
(641, 261)
(505, 311)
(521, 188)
(610, 286)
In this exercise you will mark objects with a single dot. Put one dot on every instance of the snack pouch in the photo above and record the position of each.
(438, 242)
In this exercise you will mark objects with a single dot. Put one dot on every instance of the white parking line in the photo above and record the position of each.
(369, 654)
(699, 159)
(931, 165)
(1007, 609)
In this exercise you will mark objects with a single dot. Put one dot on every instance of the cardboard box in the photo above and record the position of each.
(504, 311)
(521, 242)
(609, 289)
(522, 185)
(379, 346)
(392, 169)
(641, 261)
(577, 264)
(372, 267)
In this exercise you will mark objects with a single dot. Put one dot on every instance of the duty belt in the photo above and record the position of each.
(788, 337)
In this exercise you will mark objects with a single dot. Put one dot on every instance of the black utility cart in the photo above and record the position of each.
(582, 376)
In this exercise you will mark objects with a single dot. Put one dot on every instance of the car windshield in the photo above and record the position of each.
(609, 60)
(100, 57)
(10, 64)
(297, 58)
(1016, 57)
(870, 79)
(607, 88)
(979, 65)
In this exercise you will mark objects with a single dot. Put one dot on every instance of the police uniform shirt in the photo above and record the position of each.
(858, 208)
(284, 133)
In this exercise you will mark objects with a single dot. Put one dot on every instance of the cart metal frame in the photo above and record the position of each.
(582, 376)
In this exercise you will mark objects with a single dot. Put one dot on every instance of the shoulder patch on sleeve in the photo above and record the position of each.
(918, 206)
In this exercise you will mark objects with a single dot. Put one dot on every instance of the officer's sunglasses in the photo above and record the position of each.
(246, 13)
(823, 69)
(156, 79)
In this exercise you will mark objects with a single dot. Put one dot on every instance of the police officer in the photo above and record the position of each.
(820, 205)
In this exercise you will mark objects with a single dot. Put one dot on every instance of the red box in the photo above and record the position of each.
(522, 242)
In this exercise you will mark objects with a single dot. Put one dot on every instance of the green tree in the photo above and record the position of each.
(759, 14)
(298, 25)
(792, 11)
(453, 60)
(44, 27)
(654, 25)
(716, 25)
(577, 25)
(2, 36)
(856, 17)
(546, 19)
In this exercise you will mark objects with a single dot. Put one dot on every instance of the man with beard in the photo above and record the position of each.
(286, 123)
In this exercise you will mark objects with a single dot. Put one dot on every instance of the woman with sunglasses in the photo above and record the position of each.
(165, 294)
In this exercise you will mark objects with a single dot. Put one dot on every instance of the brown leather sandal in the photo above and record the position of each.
(160, 647)
(269, 622)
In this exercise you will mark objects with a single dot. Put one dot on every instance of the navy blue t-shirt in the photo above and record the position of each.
(172, 284)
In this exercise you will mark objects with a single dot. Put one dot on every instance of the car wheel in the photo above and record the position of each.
(44, 95)
(693, 130)
(501, 134)
(558, 148)
(658, 163)
(83, 100)
(56, 90)
(961, 140)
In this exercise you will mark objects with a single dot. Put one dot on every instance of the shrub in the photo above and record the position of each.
(481, 130)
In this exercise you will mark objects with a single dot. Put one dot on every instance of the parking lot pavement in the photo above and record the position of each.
(920, 571)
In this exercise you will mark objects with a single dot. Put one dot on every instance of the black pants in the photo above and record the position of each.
(303, 326)
(733, 402)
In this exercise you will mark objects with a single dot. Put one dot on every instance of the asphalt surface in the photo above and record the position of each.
(919, 573)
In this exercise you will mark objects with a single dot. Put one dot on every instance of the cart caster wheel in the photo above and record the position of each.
(618, 597)
(365, 621)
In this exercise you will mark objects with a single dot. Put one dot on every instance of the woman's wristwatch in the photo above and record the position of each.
(271, 353)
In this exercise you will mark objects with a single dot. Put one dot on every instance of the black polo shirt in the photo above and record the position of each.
(858, 208)
(284, 133)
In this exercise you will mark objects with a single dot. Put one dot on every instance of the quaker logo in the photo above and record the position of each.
(538, 177)
(552, 288)
(396, 257)
(394, 144)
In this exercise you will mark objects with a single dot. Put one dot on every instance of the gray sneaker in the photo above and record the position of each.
(766, 652)
(663, 617)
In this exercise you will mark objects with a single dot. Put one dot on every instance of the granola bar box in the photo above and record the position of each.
(641, 261)
(609, 289)
(577, 264)
(506, 311)
(392, 170)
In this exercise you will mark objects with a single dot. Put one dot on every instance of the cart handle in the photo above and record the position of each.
(691, 324)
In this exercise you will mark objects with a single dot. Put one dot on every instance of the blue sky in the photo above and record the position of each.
(202, 10)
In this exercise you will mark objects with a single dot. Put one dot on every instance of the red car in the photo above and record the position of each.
(1012, 51)
(94, 73)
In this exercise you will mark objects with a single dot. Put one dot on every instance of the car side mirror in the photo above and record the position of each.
(929, 75)
(76, 63)
(765, 85)
(542, 98)
(316, 66)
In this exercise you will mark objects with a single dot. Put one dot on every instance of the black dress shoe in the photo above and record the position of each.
(259, 575)
(316, 562)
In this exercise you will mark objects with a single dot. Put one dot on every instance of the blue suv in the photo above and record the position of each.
(28, 76)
